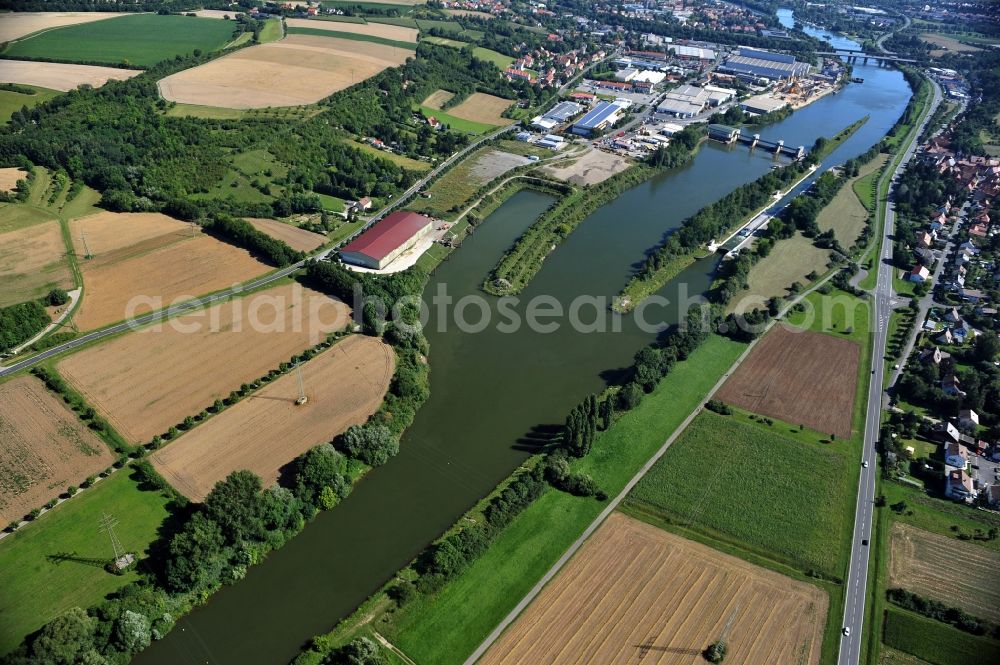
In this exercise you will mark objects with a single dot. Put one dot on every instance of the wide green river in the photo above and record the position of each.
(493, 393)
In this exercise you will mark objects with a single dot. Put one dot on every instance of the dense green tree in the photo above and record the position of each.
(372, 444)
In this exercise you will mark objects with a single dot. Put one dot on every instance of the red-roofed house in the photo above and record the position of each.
(382, 243)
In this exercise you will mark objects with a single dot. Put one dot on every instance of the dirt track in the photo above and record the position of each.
(44, 448)
(299, 69)
(806, 378)
(147, 381)
(344, 385)
(60, 76)
(636, 594)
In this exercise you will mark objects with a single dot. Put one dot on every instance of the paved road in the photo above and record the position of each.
(246, 286)
(857, 576)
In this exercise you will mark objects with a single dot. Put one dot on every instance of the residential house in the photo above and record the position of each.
(947, 432)
(971, 295)
(951, 385)
(958, 485)
(925, 256)
(919, 274)
(945, 338)
(925, 238)
(967, 418)
(956, 455)
(362, 204)
(934, 355)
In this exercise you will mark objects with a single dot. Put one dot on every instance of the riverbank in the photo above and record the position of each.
(682, 248)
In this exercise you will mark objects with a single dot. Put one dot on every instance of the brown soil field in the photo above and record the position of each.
(593, 167)
(480, 107)
(437, 99)
(299, 69)
(493, 163)
(956, 573)
(164, 269)
(108, 232)
(804, 378)
(9, 178)
(296, 238)
(32, 260)
(264, 432)
(60, 76)
(44, 448)
(19, 24)
(636, 594)
(146, 381)
(399, 33)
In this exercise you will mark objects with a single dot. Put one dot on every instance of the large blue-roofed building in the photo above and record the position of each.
(601, 117)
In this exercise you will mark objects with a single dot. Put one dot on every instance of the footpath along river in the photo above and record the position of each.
(491, 389)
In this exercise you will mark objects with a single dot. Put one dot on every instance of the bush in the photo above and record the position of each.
(57, 297)
(629, 396)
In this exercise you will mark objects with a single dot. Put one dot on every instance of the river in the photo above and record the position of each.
(491, 391)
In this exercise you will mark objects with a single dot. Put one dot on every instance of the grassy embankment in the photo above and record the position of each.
(447, 626)
(58, 563)
(518, 266)
(642, 286)
(141, 40)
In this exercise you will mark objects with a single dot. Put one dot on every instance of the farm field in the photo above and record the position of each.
(48, 567)
(467, 12)
(9, 177)
(32, 258)
(108, 232)
(11, 102)
(265, 431)
(297, 70)
(157, 273)
(942, 518)
(444, 41)
(60, 76)
(846, 214)
(19, 24)
(635, 593)
(773, 473)
(437, 99)
(147, 381)
(44, 448)
(936, 642)
(924, 563)
(135, 39)
(458, 185)
(483, 108)
(790, 261)
(296, 238)
(396, 33)
(946, 43)
(799, 377)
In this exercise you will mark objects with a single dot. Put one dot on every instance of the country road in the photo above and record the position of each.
(856, 591)
(198, 303)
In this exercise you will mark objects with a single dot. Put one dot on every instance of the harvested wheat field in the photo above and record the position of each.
(32, 261)
(480, 107)
(19, 24)
(149, 380)
(296, 238)
(44, 448)
(264, 432)
(800, 377)
(636, 594)
(60, 76)
(299, 69)
(953, 572)
(437, 99)
(110, 232)
(399, 33)
(157, 273)
(9, 178)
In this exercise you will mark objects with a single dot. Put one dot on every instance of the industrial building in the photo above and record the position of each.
(602, 116)
(752, 64)
(557, 115)
(688, 101)
(723, 133)
(692, 52)
(386, 240)
(761, 104)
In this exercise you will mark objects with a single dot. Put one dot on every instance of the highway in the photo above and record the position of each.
(204, 301)
(856, 591)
